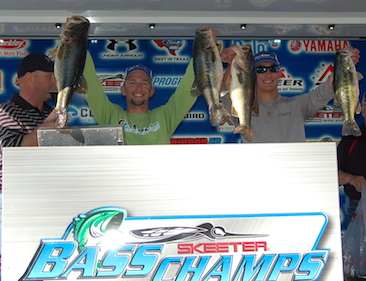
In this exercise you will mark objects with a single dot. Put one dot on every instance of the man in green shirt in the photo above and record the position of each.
(140, 125)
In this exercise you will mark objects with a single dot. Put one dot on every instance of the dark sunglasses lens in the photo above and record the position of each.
(261, 69)
(274, 68)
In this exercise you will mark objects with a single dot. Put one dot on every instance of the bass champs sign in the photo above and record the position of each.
(103, 244)
(232, 212)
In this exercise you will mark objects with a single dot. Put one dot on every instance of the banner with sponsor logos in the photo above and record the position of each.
(135, 212)
(304, 65)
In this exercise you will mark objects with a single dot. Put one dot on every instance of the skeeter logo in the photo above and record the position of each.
(104, 243)
(13, 44)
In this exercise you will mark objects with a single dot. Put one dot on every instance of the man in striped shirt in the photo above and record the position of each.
(25, 112)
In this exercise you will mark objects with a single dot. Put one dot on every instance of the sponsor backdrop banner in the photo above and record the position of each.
(304, 65)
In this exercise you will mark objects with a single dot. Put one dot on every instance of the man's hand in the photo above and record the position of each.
(355, 54)
(227, 55)
(50, 120)
(356, 180)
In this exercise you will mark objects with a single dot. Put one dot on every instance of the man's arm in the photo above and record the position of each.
(31, 138)
(355, 180)
(182, 100)
(104, 111)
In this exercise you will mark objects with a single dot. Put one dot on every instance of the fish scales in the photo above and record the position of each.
(209, 73)
(69, 63)
(346, 91)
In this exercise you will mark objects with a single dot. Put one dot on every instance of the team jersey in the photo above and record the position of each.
(155, 126)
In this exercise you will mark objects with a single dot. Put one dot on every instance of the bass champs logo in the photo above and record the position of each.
(104, 244)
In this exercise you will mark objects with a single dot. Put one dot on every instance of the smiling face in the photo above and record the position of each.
(267, 82)
(138, 89)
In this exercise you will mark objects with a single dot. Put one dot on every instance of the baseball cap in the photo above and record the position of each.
(34, 62)
(135, 67)
(266, 57)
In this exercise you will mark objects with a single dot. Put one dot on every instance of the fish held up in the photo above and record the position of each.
(347, 90)
(208, 70)
(242, 80)
(69, 59)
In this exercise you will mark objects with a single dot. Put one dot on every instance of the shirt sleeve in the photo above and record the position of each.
(181, 101)
(11, 134)
(312, 102)
(104, 111)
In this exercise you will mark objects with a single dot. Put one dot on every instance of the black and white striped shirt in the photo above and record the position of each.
(18, 118)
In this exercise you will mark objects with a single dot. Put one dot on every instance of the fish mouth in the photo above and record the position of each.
(344, 52)
(204, 29)
(77, 19)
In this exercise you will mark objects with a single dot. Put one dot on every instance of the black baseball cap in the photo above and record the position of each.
(34, 62)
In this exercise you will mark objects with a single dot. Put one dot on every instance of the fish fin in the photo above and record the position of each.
(359, 75)
(219, 46)
(358, 107)
(82, 86)
(227, 78)
(224, 90)
(52, 53)
(350, 128)
(255, 108)
(244, 130)
(336, 103)
(194, 90)
(214, 58)
(216, 114)
(234, 113)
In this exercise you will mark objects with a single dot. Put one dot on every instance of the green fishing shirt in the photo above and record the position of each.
(154, 127)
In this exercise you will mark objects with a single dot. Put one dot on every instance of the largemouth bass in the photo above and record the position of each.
(347, 91)
(242, 88)
(209, 73)
(69, 64)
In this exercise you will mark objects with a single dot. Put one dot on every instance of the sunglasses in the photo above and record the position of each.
(263, 69)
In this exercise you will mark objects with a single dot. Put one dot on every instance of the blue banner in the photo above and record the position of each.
(304, 65)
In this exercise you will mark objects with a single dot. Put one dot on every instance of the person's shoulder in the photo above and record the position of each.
(7, 103)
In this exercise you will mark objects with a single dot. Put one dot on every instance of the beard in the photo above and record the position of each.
(137, 103)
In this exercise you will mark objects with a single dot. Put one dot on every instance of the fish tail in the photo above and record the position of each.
(61, 120)
(245, 130)
(217, 113)
(350, 128)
